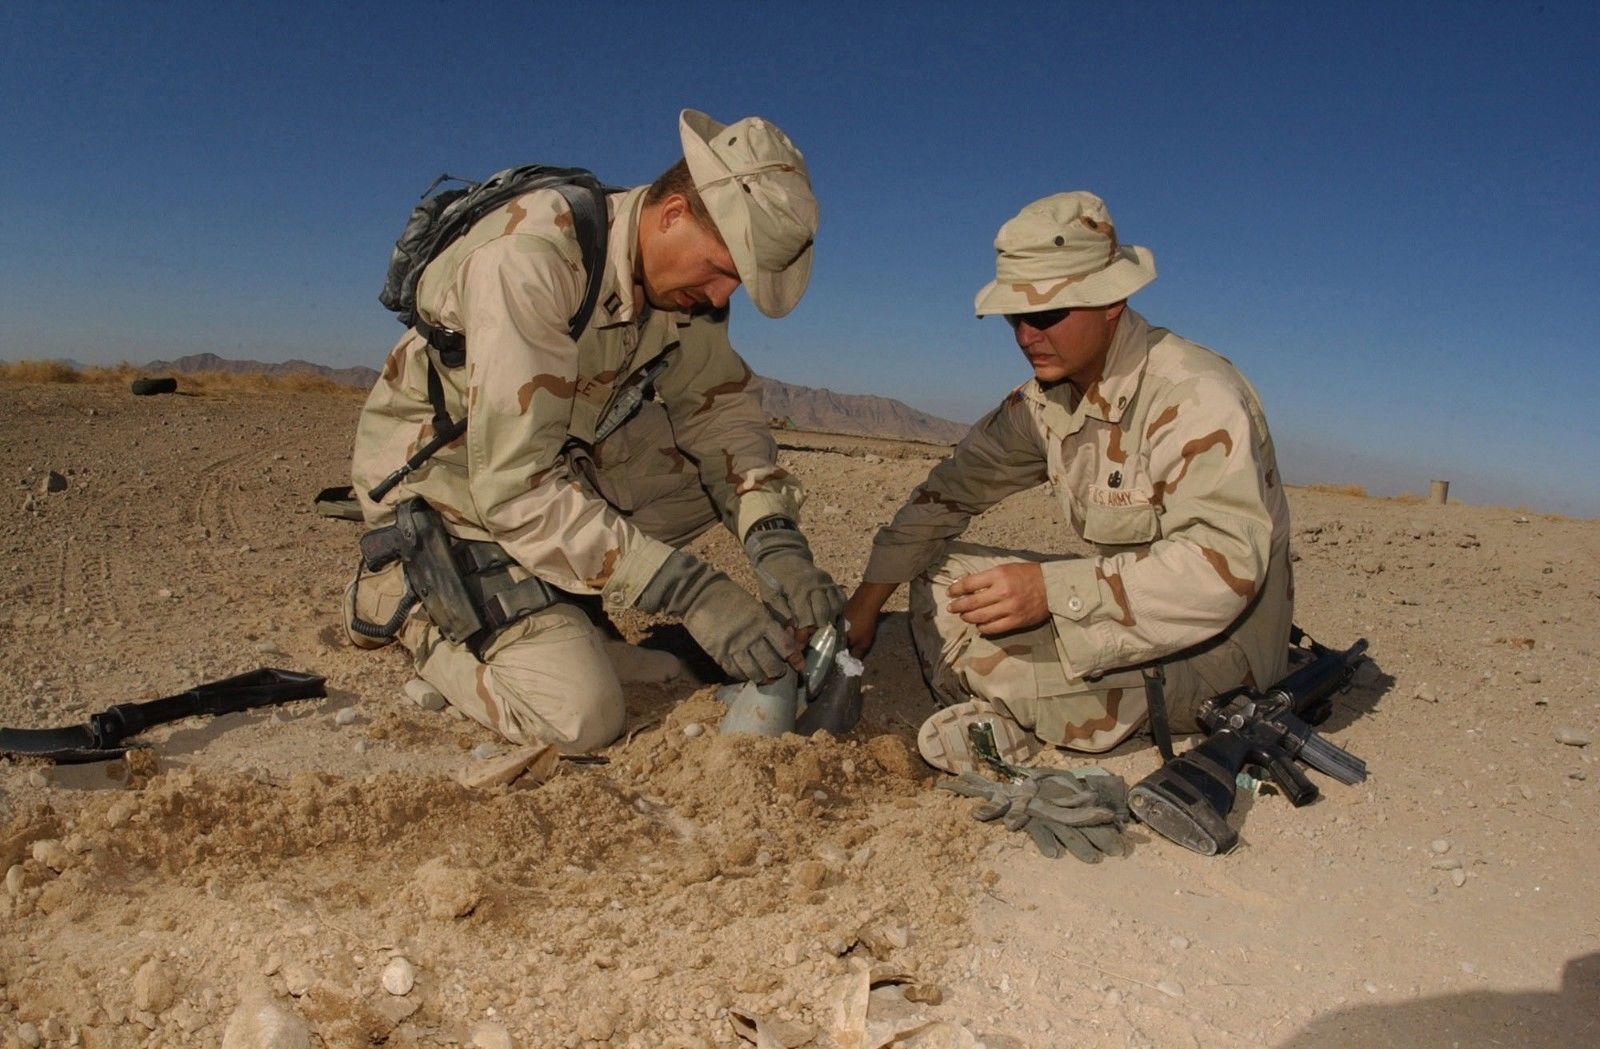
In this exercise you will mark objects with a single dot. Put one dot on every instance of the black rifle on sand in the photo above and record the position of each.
(102, 736)
(1188, 798)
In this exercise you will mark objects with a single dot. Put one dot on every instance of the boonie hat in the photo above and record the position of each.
(1061, 252)
(754, 183)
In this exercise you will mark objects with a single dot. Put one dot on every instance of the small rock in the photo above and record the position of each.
(37, 778)
(29, 1036)
(1526, 791)
(261, 1023)
(1426, 693)
(484, 751)
(1440, 846)
(450, 892)
(153, 990)
(1572, 737)
(1578, 774)
(164, 593)
(490, 1035)
(345, 716)
(119, 813)
(528, 765)
(644, 974)
(424, 695)
(1446, 864)
(694, 730)
(298, 977)
(399, 976)
(16, 879)
(52, 854)
(1520, 519)
(53, 482)
(1530, 676)
(1458, 877)
(810, 874)
(871, 458)
(1170, 988)
(1369, 987)
(1179, 943)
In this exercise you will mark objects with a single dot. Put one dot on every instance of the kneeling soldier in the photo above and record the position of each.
(1159, 453)
(549, 495)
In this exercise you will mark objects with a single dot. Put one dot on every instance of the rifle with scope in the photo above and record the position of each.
(1188, 799)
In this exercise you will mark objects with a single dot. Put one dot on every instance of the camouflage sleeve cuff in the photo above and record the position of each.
(900, 562)
(1072, 591)
(759, 504)
(634, 572)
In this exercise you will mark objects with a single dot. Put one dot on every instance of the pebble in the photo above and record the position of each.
(52, 854)
(1458, 877)
(345, 716)
(153, 991)
(1578, 774)
(29, 1036)
(1446, 864)
(1530, 676)
(694, 730)
(38, 779)
(1572, 737)
(298, 977)
(53, 482)
(1369, 987)
(490, 1035)
(1426, 693)
(399, 976)
(1440, 846)
(1170, 988)
(424, 695)
(261, 1023)
(164, 592)
(360, 746)
(1180, 943)
(485, 750)
(16, 878)
(1526, 791)
(644, 974)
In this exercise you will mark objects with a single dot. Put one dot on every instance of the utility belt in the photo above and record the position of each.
(465, 586)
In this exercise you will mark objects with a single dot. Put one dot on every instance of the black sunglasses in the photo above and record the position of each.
(1040, 321)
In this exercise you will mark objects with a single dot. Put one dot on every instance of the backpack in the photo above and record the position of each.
(444, 216)
(436, 223)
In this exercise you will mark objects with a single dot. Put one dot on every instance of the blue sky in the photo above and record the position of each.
(1386, 215)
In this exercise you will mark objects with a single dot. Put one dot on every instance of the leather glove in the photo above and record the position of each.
(791, 583)
(734, 628)
(1083, 814)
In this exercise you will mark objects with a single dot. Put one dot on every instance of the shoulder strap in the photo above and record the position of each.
(591, 225)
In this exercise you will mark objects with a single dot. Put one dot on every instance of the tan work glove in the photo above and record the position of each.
(791, 583)
(733, 627)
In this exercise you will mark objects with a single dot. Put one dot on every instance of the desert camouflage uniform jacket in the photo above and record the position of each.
(533, 398)
(1166, 466)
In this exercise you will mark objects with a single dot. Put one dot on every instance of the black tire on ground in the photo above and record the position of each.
(147, 387)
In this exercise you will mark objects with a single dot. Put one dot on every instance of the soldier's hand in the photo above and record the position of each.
(791, 583)
(1001, 599)
(861, 616)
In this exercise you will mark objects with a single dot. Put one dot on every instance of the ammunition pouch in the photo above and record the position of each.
(464, 586)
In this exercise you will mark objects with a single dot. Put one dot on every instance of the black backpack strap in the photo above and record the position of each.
(590, 222)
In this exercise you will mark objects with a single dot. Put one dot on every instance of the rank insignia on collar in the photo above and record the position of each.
(1115, 480)
(613, 303)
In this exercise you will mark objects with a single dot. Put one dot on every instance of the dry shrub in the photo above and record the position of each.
(188, 382)
(38, 371)
(1357, 490)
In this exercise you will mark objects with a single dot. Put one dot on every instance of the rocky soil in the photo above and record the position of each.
(318, 874)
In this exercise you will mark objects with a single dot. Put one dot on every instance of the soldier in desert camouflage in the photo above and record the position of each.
(1158, 451)
(604, 517)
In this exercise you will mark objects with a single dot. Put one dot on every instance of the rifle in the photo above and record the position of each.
(1188, 798)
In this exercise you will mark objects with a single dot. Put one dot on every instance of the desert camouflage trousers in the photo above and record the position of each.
(1027, 675)
(547, 678)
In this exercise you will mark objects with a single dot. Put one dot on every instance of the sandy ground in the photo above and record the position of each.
(276, 864)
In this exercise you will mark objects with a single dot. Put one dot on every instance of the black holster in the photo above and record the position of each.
(465, 586)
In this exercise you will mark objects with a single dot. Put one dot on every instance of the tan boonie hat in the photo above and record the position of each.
(1059, 252)
(754, 183)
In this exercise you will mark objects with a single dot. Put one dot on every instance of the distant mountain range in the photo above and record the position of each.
(808, 408)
